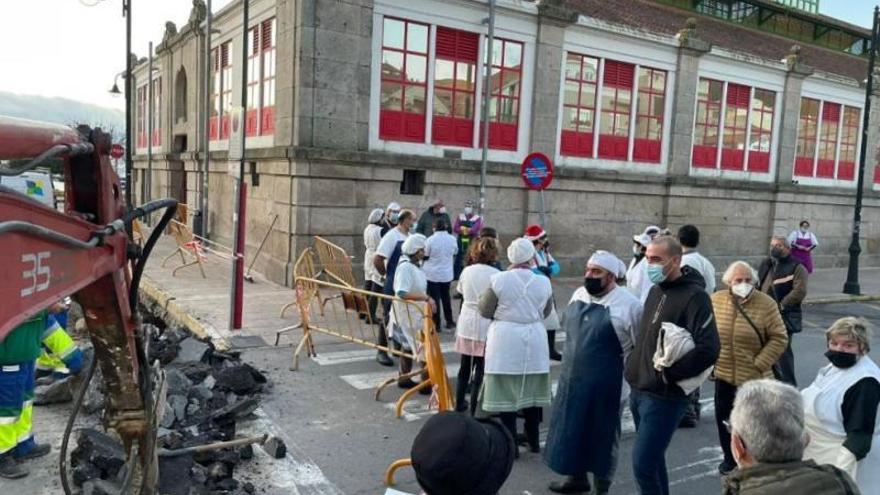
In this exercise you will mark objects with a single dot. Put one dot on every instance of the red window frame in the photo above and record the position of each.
(142, 117)
(226, 89)
(617, 81)
(267, 47)
(647, 148)
(849, 139)
(397, 123)
(253, 82)
(808, 124)
(503, 134)
(157, 112)
(704, 155)
(461, 49)
(828, 140)
(216, 86)
(738, 101)
(763, 113)
(578, 133)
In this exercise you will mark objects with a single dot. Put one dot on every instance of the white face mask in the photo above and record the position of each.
(442, 210)
(742, 290)
(804, 230)
(468, 210)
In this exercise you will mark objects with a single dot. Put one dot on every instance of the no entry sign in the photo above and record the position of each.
(116, 151)
(537, 171)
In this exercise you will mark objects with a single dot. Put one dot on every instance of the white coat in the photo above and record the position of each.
(705, 267)
(517, 342)
(408, 316)
(372, 238)
(637, 280)
(472, 283)
(824, 423)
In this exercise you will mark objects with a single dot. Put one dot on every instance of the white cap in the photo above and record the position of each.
(412, 244)
(609, 263)
(375, 215)
(393, 206)
(520, 250)
(643, 239)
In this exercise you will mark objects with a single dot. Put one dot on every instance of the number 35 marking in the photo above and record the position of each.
(38, 275)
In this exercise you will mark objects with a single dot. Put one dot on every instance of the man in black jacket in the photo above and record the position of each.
(784, 278)
(657, 403)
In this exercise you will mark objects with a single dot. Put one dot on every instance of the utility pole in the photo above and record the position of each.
(238, 215)
(487, 91)
(126, 12)
(852, 275)
(206, 126)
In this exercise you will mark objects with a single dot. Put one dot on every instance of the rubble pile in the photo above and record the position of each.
(208, 392)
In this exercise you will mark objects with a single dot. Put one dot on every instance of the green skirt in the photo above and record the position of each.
(508, 393)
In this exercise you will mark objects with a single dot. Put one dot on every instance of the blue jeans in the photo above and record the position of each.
(656, 421)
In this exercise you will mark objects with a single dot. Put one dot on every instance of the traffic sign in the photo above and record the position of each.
(116, 151)
(537, 171)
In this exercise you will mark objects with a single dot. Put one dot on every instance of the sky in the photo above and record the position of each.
(75, 48)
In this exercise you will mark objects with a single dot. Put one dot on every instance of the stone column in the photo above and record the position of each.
(791, 109)
(553, 18)
(687, 80)
(872, 151)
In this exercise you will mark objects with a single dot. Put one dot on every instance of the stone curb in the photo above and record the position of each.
(175, 314)
(843, 298)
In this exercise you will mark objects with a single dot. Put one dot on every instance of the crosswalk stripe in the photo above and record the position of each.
(370, 379)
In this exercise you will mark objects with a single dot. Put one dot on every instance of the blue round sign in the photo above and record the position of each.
(537, 171)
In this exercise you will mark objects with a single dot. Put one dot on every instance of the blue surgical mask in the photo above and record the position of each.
(655, 273)
(394, 217)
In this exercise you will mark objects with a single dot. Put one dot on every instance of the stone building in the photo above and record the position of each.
(742, 117)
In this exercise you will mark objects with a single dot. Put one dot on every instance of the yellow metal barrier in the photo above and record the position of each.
(335, 262)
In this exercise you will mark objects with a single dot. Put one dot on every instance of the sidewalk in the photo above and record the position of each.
(202, 305)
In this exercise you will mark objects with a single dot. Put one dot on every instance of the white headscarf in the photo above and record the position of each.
(412, 244)
(520, 251)
(609, 263)
(375, 216)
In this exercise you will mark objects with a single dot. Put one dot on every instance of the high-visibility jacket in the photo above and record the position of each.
(60, 354)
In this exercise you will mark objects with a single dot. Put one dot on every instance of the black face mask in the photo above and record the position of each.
(842, 359)
(776, 253)
(594, 286)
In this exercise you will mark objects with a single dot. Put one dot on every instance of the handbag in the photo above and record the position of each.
(777, 374)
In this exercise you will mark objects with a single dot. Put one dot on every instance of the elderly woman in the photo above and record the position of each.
(517, 354)
(410, 284)
(841, 406)
(470, 337)
(752, 337)
(372, 278)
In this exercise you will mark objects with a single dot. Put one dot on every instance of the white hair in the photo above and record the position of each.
(735, 267)
(768, 416)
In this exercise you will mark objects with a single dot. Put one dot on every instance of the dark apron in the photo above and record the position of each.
(390, 270)
(586, 410)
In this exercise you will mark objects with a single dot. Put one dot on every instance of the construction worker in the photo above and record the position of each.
(61, 357)
(19, 352)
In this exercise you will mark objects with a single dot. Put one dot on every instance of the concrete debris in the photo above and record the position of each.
(275, 447)
(238, 410)
(85, 472)
(246, 452)
(167, 420)
(237, 379)
(201, 393)
(56, 392)
(248, 487)
(194, 370)
(209, 382)
(178, 403)
(174, 475)
(100, 487)
(99, 449)
(192, 350)
(178, 383)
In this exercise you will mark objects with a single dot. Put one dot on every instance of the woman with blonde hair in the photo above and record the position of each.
(840, 406)
(752, 337)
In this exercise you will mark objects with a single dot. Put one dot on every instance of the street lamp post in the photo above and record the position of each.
(852, 275)
(487, 92)
(126, 12)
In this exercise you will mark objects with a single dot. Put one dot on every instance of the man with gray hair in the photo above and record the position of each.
(768, 440)
(784, 278)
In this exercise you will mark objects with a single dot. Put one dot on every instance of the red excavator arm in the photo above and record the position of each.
(84, 252)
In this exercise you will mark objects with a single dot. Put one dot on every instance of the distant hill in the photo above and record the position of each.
(62, 111)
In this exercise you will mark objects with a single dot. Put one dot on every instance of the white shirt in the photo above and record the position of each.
(796, 234)
(372, 238)
(637, 280)
(440, 249)
(699, 263)
(389, 240)
(408, 279)
(472, 283)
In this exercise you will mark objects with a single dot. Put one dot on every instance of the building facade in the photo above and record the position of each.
(653, 114)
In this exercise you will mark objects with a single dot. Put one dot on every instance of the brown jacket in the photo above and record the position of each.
(742, 356)
(792, 478)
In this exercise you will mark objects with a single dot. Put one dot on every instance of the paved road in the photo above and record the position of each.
(327, 411)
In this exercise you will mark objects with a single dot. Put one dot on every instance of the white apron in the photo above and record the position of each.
(472, 283)
(407, 316)
(517, 341)
(823, 400)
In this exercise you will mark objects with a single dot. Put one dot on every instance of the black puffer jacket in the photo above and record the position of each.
(685, 303)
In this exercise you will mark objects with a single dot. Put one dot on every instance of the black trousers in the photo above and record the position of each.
(532, 416)
(693, 406)
(439, 292)
(372, 304)
(468, 364)
(724, 395)
(785, 366)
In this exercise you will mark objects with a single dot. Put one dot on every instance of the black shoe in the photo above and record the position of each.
(11, 469)
(384, 359)
(572, 484)
(39, 450)
(555, 355)
(427, 390)
(463, 407)
(521, 439)
(450, 324)
(688, 422)
(407, 383)
(724, 468)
